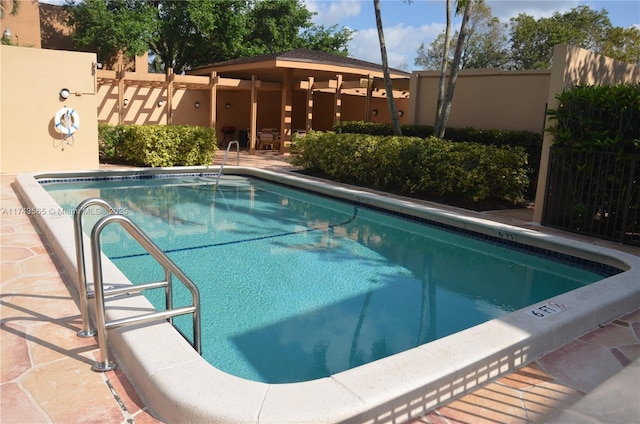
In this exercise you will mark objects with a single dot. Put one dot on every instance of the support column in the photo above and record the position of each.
(309, 111)
(121, 112)
(253, 125)
(414, 100)
(367, 102)
(213, 99)
(558, 80)
(337, 109)
(170, 77)
(286, 109)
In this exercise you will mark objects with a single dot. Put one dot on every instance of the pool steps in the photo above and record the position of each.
(99, 293)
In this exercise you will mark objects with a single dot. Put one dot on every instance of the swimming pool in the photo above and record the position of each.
(179, 386)
(296, 286)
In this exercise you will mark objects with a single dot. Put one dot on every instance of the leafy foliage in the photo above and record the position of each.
(186, 34)
(532, 40)
(464, 173)
(531, 142)
(593, 162)
(623, 44)
(602, 118)
(157, 145)
(486, 46)
(106, 26)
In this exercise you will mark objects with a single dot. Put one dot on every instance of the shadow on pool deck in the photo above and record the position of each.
(46, 375)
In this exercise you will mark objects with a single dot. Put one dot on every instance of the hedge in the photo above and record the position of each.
(415, 166)
(530, 141)
(157, 145)
(598, 118)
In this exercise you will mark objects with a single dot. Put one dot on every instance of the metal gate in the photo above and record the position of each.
(594, 193)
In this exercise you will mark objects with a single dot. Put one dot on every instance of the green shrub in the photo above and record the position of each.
(110, 142)
(598, 118)
(157, 145)
(530, 141)
(468, 172)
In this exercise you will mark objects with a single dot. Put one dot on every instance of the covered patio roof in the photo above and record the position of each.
(302, 63)
(304, 69)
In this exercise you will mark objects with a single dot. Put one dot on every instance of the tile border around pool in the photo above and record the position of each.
(180, 386)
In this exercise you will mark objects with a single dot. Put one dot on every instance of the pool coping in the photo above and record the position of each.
(178, 385)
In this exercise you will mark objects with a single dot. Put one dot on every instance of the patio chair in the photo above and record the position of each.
(265, 140)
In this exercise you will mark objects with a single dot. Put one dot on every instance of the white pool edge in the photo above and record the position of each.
(179, 386)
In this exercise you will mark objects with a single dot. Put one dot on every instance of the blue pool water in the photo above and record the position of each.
(296, 286)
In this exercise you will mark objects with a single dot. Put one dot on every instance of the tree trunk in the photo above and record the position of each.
(443, 71)
(446, 107)
(395, 122)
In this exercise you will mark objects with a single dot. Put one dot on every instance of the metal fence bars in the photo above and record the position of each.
(594, 193)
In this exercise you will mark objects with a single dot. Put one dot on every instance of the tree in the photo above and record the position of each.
(270, 33)
(186, 34)
(431, 57)
(330, 40)
(395, 122)
(486, 45)
(443, 71)
(109, 27)
(623, 44)
(532, 41)
(443, 116)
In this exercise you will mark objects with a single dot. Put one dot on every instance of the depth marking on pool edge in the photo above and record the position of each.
(546, 309)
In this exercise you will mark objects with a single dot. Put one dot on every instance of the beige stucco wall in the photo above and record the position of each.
(142, 107)
(30, 82)
(484, 99)
(572, 66)
(24, 25)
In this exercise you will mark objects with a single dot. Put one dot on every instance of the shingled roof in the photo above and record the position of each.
(307, 55)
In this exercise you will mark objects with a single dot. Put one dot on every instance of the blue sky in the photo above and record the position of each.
(406, 25)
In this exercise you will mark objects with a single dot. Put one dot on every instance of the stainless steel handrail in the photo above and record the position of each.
(224, 159)
(83, 290)
(100, 292)
(170, 268)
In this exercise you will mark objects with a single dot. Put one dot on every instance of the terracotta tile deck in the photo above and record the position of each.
(46, 376)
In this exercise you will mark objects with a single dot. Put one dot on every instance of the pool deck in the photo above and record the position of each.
(46, 372)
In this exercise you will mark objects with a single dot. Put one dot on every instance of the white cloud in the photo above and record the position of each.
(507, 9)
(333, 12)
(402, 43)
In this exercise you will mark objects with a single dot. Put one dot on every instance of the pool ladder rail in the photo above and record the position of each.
(99, 293)
(224, 159)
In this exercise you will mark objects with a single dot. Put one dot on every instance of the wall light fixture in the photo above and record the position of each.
(64, 93)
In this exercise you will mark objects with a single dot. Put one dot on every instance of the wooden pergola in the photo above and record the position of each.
(299, 69)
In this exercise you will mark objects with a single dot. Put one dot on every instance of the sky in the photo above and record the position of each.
(408, 24)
